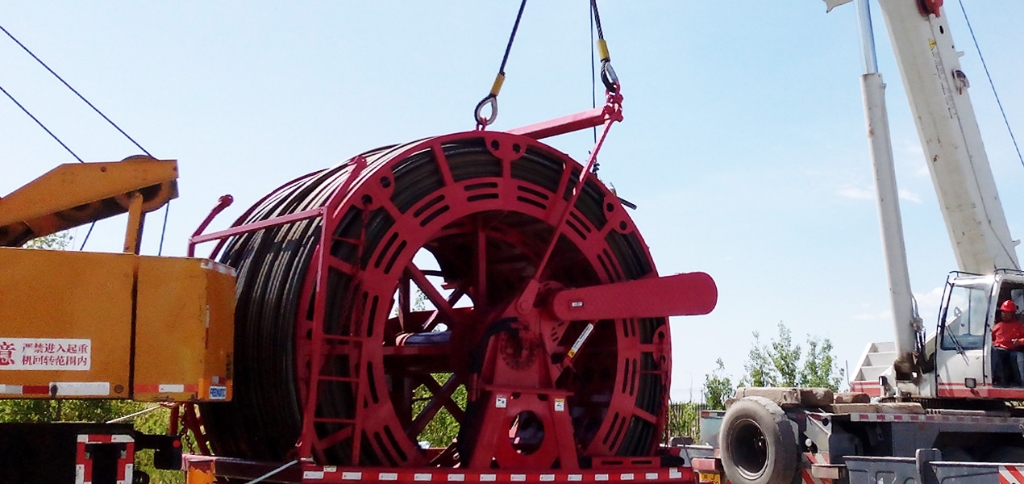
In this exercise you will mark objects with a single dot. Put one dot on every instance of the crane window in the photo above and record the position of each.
(964, 327)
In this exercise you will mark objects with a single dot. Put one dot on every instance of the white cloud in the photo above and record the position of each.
(857, 193)
(915, 157)
(914, 147)
(928, 306)
(909, 196)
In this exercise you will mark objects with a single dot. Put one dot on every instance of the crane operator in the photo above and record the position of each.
(1008, 347)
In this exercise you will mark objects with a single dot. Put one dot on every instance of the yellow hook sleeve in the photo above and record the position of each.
(602, 49)
(498, 81)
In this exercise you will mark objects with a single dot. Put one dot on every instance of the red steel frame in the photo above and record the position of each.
(608, 469)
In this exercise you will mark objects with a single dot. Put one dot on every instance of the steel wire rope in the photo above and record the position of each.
(977, 47)
(492, 97)
(608, 76)
(80, 96)
(40, 123)
(593, 81)
(58, 140)
(160, 248)
(271, 267)
(167, 208)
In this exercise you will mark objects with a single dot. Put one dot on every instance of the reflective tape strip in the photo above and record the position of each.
(816, 458)
(898, 417)
(807, 478)
(126, 464)
(95, 438)
(1010, 475)
(27, 390)
(12, 390)
(80, 388)
(166, 388)
(461, 476)
(105, 438)
(83, 466)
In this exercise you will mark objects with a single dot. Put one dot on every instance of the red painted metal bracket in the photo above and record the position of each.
(688, 294)
(611, 111)
(241, 229)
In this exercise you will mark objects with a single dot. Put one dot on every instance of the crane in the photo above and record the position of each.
(988, 271)
(933, 398)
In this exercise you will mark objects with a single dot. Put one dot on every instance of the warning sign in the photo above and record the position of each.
(45, 354)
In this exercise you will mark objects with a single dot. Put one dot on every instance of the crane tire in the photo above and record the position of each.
(758, 443)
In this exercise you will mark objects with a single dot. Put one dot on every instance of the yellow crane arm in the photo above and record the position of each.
(75, 194)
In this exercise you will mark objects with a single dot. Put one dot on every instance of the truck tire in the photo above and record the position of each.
(758, 444)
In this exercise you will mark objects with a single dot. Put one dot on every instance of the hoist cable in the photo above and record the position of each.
(608, 76)
(593, 72)
(593, 84)
(596, 18)
(86, 239)
(991, 83)
(163, 231)
(511, 38)
(40, 123)
(492, 97)
(94, 108)
(80, 96)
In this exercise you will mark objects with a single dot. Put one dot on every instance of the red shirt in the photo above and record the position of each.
(1004, 331)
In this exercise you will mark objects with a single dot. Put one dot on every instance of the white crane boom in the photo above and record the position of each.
(940, 102)
(937, 90)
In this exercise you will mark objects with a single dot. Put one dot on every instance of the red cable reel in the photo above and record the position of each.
(465, 219)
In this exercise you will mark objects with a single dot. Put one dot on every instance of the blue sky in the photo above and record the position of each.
(743, 144)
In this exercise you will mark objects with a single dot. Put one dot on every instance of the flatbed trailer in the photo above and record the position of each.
(674, 466)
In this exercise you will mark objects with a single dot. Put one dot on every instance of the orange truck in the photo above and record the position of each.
(86, 325)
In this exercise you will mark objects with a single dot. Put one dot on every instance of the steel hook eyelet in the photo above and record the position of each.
(481, 121)
(608, 77)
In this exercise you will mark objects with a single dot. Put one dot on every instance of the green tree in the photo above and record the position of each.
(57, 241)
(443, 428)
(717, 387)
(820, 368)
(785, 358)
(782, 363)
(759, 366)
(683, 420)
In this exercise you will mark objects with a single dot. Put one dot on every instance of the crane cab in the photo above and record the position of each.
(962, 352)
